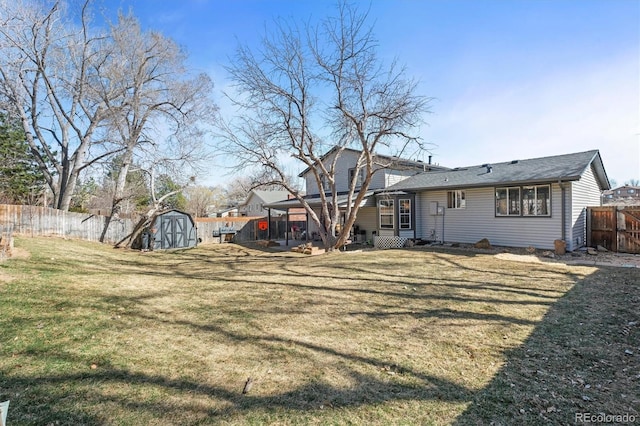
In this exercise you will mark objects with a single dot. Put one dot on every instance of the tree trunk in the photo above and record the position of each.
(118, 193)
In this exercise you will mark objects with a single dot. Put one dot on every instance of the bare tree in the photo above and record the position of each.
(157, 99)
(201, 198)
(315, 88)
(47, 63)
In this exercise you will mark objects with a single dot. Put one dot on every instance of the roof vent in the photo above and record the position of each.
(514, 162)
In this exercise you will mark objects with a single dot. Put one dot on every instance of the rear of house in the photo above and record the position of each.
(519, 203)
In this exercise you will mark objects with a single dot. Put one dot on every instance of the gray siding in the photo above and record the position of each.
(583, 193)
(391, 177)
(346, 161)
(478, 221)
(381, 178)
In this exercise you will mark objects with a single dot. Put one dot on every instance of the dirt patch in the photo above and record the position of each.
(19, 253)
(578, 257)
(528, 258)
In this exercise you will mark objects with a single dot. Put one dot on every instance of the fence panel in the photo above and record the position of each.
(617, 228)
(35, 221)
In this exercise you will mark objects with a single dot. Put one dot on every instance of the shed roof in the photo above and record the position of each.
(567, 167)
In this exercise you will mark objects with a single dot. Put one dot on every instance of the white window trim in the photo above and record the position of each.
(535, 200)
(407, 214)
(521, 189)
(459, 199)
(391, 205)
(359, 180)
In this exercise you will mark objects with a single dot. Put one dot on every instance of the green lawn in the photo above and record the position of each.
(94, 335)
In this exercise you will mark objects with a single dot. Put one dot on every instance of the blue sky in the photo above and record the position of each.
(511, 79)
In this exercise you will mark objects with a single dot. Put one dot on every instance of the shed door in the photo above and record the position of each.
(174, 232)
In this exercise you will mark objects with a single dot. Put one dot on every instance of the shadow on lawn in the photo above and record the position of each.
(574, 361)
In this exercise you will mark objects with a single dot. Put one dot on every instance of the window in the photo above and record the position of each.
(524, 201)
(456, 200)
(359, 179)
(508, 202)
(324, 181)
(535, 201)
(385, 207)
(404, 213)
(631, 191)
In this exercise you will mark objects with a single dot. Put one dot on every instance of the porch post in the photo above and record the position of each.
(268, 223)
(286, 229)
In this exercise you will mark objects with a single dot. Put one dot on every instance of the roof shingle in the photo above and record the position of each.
(568, 167)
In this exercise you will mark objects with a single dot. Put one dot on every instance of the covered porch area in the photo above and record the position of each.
(363, 231)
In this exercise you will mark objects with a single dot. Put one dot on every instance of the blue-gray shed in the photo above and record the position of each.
(173, 229)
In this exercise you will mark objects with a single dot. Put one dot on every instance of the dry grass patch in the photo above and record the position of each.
(101, 336)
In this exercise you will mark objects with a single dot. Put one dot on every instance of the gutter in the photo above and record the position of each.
(454, 185)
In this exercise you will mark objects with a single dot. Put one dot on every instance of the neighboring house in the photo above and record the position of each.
(519, 203)
(626, 194)
(389, 171)
(256, 201)
(231, 211)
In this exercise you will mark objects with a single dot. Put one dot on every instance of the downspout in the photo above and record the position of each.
(563, 191)
(443, 209)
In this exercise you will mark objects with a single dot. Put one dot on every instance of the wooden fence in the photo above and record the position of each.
(34, 221)
(617, 228)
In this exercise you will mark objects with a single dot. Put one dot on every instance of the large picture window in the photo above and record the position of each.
(404, 213)
(456, 199)
(524, 201)
(385, 207)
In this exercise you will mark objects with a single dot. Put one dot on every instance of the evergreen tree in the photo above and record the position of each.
(21, 181)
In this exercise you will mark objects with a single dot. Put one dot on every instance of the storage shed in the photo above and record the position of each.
(173, 229)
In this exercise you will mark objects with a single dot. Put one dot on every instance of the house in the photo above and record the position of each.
(518, 203)
(627, 194)
(389, 170)
(256, 201)
(229, 211)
